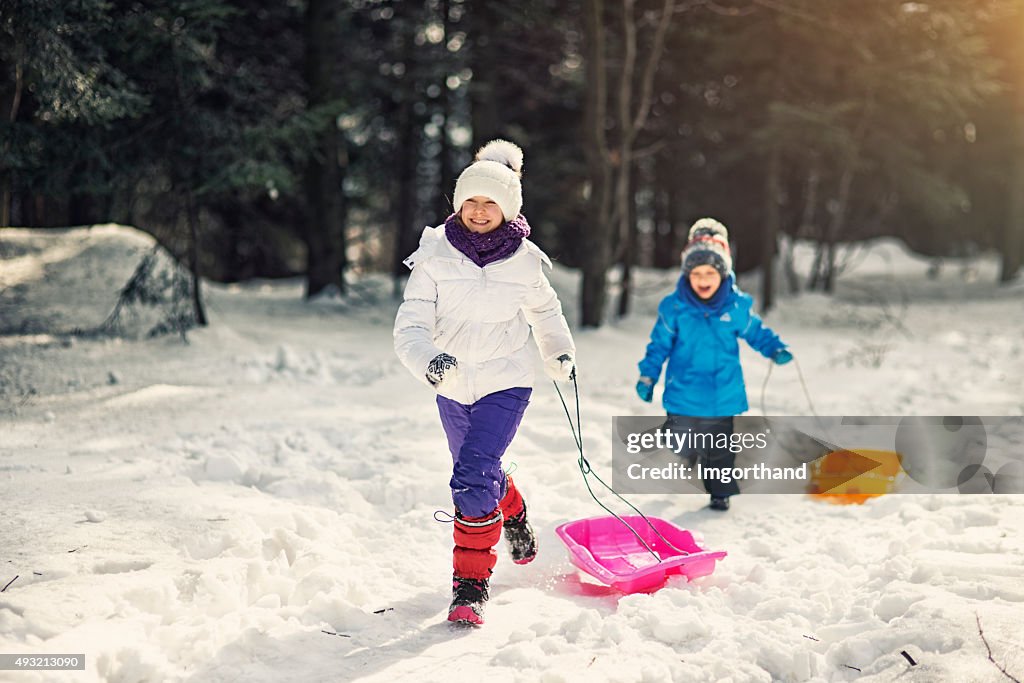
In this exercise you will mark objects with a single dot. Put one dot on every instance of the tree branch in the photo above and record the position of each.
(626, 76)
(783, 8)
(989, 650)
(595, 56)
(729, 11)
(19, 84)
(650, 150)
(652, 66)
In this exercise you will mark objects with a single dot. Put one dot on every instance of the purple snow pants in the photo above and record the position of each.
(478, 435)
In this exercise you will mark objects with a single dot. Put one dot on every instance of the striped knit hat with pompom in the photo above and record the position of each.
(495, 174)
(708, 246)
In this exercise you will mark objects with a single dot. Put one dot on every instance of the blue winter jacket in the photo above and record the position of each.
(700, 341)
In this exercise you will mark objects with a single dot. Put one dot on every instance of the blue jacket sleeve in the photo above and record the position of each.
(663, 338)
(761, 338)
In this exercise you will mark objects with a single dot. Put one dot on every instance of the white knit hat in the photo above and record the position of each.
(494, 174)
(708, 246)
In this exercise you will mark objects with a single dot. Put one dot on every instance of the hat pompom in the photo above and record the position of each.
(708, 227)
(504, 152)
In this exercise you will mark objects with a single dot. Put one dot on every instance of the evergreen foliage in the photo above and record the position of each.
(198, 122)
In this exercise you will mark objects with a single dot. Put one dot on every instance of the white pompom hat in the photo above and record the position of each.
(495, 173)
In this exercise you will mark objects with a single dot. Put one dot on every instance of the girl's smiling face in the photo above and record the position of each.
(705, 281)
(481, 214)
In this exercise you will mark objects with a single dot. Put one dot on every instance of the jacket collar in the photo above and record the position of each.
(716, 305)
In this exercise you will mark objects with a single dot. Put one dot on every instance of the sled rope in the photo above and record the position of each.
(803, 384)
(586, 469)
(807, 395)
(764, 387)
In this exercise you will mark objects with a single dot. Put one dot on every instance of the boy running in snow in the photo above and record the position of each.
(477, 288)
(697, 331)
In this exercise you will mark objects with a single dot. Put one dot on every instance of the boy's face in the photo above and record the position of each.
(481, 214)
(705, 281)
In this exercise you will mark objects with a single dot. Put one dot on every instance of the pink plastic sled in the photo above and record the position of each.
(604, 548)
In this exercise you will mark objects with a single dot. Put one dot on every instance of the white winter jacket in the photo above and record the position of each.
(481, 316)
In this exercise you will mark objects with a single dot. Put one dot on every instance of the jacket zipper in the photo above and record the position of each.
(477, 326)
(714, 386)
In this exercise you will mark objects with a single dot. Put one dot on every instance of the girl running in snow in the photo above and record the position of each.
(697, 330)
(477, 288)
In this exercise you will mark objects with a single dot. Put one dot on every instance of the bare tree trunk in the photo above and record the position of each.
(5, 201)
(184, 179)
(193, 258)
(627, 135)
(837, 222)
(664, 239)
(836, 226)
(772, 221)
(631, 124)
(630, 246)
(597, 257)
(810, 200)
(678, 227)
(1013, 231)
(405, 201)
(814, 275)
(447, 172)
(483, 94)
(789, 265)
(804, 229)
(828, 277)
(7, 187)
(665, 249)
(405, 164)
(325, 228)
(613, 178)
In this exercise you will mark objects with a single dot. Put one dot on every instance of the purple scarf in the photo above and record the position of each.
(487, 247)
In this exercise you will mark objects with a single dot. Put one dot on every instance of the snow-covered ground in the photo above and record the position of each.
(257, 504)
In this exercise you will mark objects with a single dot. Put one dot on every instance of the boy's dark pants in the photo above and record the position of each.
(708, 457)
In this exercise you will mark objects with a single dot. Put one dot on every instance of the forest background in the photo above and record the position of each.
(316, 138)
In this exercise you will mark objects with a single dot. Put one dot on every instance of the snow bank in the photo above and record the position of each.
(61, 281)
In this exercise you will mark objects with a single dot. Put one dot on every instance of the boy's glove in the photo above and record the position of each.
(561, 369)
(645, 389)
(782, 356)
(442, 370)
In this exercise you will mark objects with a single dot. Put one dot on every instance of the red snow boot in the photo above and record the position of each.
(522, 543)
(473, 560)
(468, 599)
